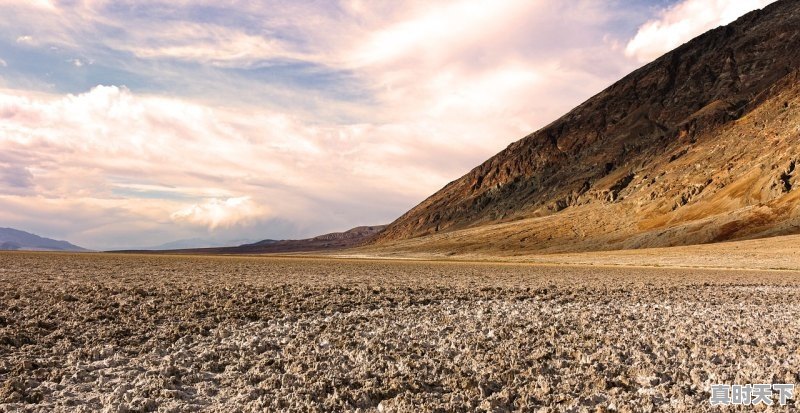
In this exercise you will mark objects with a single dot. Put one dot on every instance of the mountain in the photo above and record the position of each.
(701, 145)
(198, 243)
(333, 241)
(13, 239)
(327, 242)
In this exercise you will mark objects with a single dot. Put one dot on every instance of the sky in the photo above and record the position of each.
(130, 123)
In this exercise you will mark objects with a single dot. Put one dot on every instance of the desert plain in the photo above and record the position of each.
(136, 333)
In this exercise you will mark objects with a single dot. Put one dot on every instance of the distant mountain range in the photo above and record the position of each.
(327, 242)
(14, 239)
(190, 243)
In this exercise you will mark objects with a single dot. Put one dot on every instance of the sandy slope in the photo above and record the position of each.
(777, 253)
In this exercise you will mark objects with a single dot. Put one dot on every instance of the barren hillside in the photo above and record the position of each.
(699, 146)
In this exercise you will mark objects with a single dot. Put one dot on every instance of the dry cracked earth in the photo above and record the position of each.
(126, 333)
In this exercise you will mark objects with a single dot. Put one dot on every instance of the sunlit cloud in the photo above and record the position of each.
(684, 21)
(220, 212)
(207, 43)
(285, 119)
(199, 166)
(45, 5)
(422, 35)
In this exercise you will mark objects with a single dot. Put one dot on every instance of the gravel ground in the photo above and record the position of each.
(101, 332)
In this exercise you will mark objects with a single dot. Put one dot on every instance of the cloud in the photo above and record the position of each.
(96, 223)
(15, 179)
(220, 212)
(207, 43)
(46, 5)
(163, 161)
(3, 63)
(153, 29)
(371, 106)
(443, 23)
(684, 21)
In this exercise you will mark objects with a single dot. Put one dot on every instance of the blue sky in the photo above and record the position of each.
(129, 123)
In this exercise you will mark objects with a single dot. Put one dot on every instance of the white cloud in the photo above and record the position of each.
(447, 84)
(46, 5)
(3, 63)
(684, 21)
(161, 161)
(220, 212)
(76, 25)
(208, 43)
(452, 24)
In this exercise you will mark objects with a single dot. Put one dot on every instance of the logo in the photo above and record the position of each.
(750, 394)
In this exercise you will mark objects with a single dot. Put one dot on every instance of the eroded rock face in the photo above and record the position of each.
(127, 333)
(676, 132)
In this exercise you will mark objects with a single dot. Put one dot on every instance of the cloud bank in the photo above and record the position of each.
(137, 123)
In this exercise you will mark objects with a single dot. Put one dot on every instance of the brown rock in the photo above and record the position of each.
(697, 146)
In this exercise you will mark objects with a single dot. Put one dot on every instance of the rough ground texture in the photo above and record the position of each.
(699, 146)
(143, 333)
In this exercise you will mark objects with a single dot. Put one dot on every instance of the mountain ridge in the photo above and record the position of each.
(353, 237)
(197, 242)
(627, 151)
(13, 239)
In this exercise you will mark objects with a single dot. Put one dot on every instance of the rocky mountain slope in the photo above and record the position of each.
(699, 146)
(14, 239)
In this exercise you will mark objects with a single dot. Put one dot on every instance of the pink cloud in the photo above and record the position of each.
(684, 21)
(220, 212)
(168, 160)
(451, 83)
(445, 98)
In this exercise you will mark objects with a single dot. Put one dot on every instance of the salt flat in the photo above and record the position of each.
(88, 332)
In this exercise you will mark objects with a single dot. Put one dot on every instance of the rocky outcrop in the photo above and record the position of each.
(674, 134)
(357, 233)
